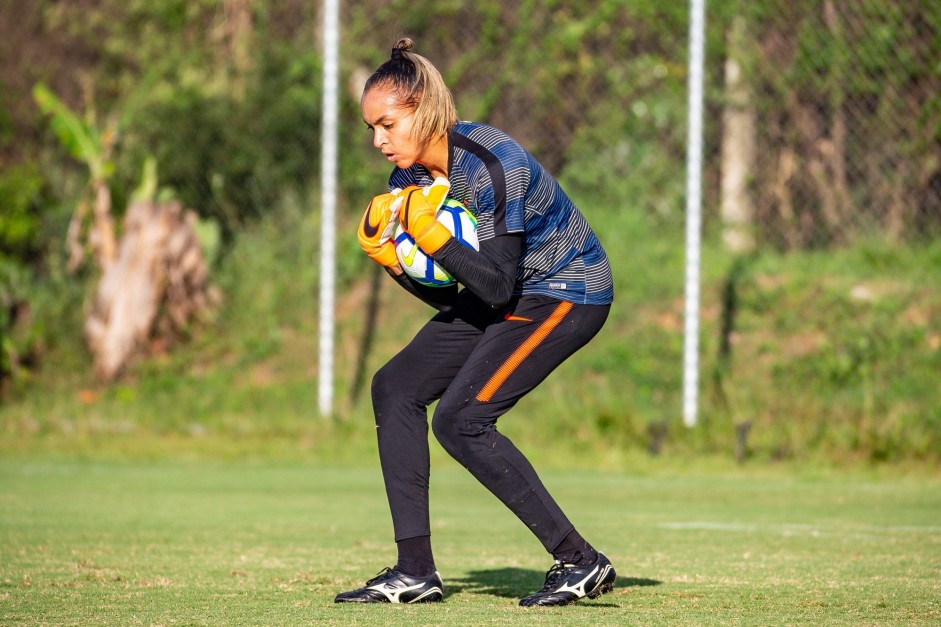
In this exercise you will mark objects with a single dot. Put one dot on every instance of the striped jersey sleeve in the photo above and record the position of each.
(510, 192)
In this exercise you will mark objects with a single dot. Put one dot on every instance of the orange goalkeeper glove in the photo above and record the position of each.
(418, 215)
(376, 228)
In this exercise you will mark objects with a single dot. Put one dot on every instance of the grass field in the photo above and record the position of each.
(213, 542)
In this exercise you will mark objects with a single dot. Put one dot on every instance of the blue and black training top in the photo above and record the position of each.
(511, 193)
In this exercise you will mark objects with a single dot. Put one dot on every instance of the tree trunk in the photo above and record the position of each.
(836, 154)
(102, 231)
(157, 283)
(738, 149)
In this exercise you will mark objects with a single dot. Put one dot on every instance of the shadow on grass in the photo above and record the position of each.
(516, 583)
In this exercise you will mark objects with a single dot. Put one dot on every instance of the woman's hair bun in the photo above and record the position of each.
(403, 45)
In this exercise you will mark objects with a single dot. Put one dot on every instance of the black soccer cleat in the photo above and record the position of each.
(392, 586)
(566, 583)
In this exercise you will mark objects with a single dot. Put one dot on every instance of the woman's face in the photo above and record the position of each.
(391, 125)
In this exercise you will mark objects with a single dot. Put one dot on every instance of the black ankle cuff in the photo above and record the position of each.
(575, 550)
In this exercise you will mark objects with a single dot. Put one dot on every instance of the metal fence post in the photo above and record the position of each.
(328, 182)
(693, 211)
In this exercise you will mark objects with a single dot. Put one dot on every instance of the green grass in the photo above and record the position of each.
(211, 542)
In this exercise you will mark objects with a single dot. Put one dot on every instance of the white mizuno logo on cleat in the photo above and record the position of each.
(579, 588)
(394, 594)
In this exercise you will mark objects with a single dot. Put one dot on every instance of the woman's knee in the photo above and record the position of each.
(383, 382)
(444, 426)
(390, 387)
(457, 430)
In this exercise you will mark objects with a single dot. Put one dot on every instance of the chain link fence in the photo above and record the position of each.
(831, 113)
(823, 115)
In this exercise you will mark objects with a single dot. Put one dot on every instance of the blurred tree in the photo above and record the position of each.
(738, 146)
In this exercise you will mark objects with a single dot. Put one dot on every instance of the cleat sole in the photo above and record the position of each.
(602, 589)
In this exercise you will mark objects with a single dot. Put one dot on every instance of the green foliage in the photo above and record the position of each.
(637, 170)
(22, 193)
(596, 90)
(260, 306)
(230, 110)
(13, 346)
(232, 158)
(40, 330)
(84, 139)
(848, 337)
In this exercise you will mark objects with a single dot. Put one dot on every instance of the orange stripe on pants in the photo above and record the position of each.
(523, 351)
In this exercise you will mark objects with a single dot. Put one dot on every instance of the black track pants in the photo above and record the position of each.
(477, 364)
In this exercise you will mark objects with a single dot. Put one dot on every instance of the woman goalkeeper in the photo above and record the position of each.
(539, 289)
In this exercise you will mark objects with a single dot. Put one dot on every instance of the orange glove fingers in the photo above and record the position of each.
(375, 219)
(384, 254)
(374, 229)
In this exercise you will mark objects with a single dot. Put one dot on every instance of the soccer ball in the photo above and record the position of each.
(463, 226)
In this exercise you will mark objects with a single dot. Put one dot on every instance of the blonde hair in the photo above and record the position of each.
(419, 86)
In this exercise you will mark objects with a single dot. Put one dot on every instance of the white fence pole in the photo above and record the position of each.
(328, 182)
(693, 211)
